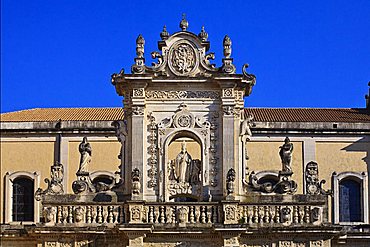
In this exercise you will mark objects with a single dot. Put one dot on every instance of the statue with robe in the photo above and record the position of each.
(286, 155)
(85, 151)
(183, 165)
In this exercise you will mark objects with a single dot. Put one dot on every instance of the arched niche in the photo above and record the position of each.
(189, 187)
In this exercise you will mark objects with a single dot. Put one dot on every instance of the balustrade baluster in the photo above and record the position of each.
(156, 214)
(70, 214)
(202, 214)
(215, 214)
(277, 214)
(192, 214)
(110, 214)
(60, 214)
(151, 214)
(99, 217)
(255, 214)
(209, 214)
(174, 209)
(169, 215)
(266, 214)
(307, 210)
(245, 214)
(260, 214)
(295, 214)
(161, 215)
(301, 215)
(197, 214)
(115, 214)
(88, 214)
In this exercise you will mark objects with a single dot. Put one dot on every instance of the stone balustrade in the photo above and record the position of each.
(303, 210)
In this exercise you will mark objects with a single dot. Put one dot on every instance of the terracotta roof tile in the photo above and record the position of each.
(347, 115)
(352, 115)
(65, 114)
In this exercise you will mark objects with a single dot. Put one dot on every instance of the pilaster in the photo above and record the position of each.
(229, 144)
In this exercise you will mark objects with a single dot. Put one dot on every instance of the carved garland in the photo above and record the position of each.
(153, 152)
(213, 151)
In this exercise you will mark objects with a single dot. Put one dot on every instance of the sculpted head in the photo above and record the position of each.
(183, 147)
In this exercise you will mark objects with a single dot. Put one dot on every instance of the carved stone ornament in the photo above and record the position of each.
(160, 95)
(182, 59)
(49, 214)
(138, 110)
(285, 185)
(121, 133)
(182, 54)
(213, 150)
(230, 181)
(246, 124)
(183, 118)
(228, 110)
(55, 184)
(135, 177)
(313, 184)
(153, 152)
(83, 184)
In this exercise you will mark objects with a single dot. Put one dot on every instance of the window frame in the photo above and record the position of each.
(363, 180)
(9, 178)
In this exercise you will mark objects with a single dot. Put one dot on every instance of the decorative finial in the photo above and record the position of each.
(203, 35)
(227, 46)
(164, 34)
(184, 23)
(140, 42)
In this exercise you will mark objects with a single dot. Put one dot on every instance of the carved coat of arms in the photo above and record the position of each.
(183, 59)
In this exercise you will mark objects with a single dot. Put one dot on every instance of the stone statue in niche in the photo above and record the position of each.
(184, 173)
(85, 151)
(183, 164)
(285, 153)
(186, 170)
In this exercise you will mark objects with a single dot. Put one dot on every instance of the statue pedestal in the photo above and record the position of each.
(83, 184)
(286, 184)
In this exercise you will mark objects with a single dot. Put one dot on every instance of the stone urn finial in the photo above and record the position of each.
(164, 34)
(203, 35)
(140, 42)
(227, 46)
(184, 24)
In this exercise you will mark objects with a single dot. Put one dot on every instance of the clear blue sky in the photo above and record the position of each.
(304, 53)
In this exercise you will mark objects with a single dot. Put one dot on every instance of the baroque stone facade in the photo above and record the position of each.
(183, 177)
